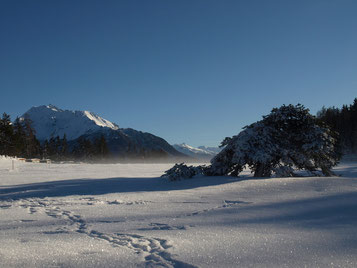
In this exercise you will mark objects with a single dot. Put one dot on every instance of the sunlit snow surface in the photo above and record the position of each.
(123, 215)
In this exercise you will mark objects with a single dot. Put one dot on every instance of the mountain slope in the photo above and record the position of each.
(198, 153)
(131, 143)
(50, 121)
(213, 150)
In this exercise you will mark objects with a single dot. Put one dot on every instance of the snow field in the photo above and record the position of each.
(123, 215)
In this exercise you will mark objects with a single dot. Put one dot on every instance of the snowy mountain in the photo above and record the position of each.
(213, 150)
(50, 121)
(202, 152)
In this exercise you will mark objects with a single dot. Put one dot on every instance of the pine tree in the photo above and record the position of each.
(46, 150)
(52, 152)
(7, 146)
(57, 149)
(288, 138)
(84, 149)
(33, 147)
(64, 147)
(344, 122)
(101, 148)
(19, 138)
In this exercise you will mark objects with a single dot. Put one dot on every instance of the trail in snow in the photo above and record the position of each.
(154, 250)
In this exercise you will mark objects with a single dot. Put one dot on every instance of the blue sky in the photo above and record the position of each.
(187, 71)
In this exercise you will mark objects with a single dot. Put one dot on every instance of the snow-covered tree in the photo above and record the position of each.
(287, 139)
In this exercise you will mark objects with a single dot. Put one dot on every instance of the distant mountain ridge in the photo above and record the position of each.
(200, 153)
(50, 121)
(214, 150)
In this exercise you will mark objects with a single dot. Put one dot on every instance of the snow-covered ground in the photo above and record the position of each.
(123, 215)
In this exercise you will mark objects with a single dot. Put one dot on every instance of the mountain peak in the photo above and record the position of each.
(51, 121)
(53, 108)
(198, 153)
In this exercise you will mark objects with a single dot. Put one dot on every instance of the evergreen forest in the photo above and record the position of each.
(18, 139)
(344, 122)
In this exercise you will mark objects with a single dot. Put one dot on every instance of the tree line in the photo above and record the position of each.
(18, 139)
(344, 122)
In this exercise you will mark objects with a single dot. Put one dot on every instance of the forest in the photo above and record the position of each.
(18, 139)
(344, 122)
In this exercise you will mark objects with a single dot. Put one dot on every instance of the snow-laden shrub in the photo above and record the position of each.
(182, 171)
(288, 138)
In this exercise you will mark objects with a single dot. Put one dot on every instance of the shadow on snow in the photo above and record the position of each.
(104, 186)
(323, 212)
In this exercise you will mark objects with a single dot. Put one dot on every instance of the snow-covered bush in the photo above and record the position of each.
(288, 138)
(182, 171)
